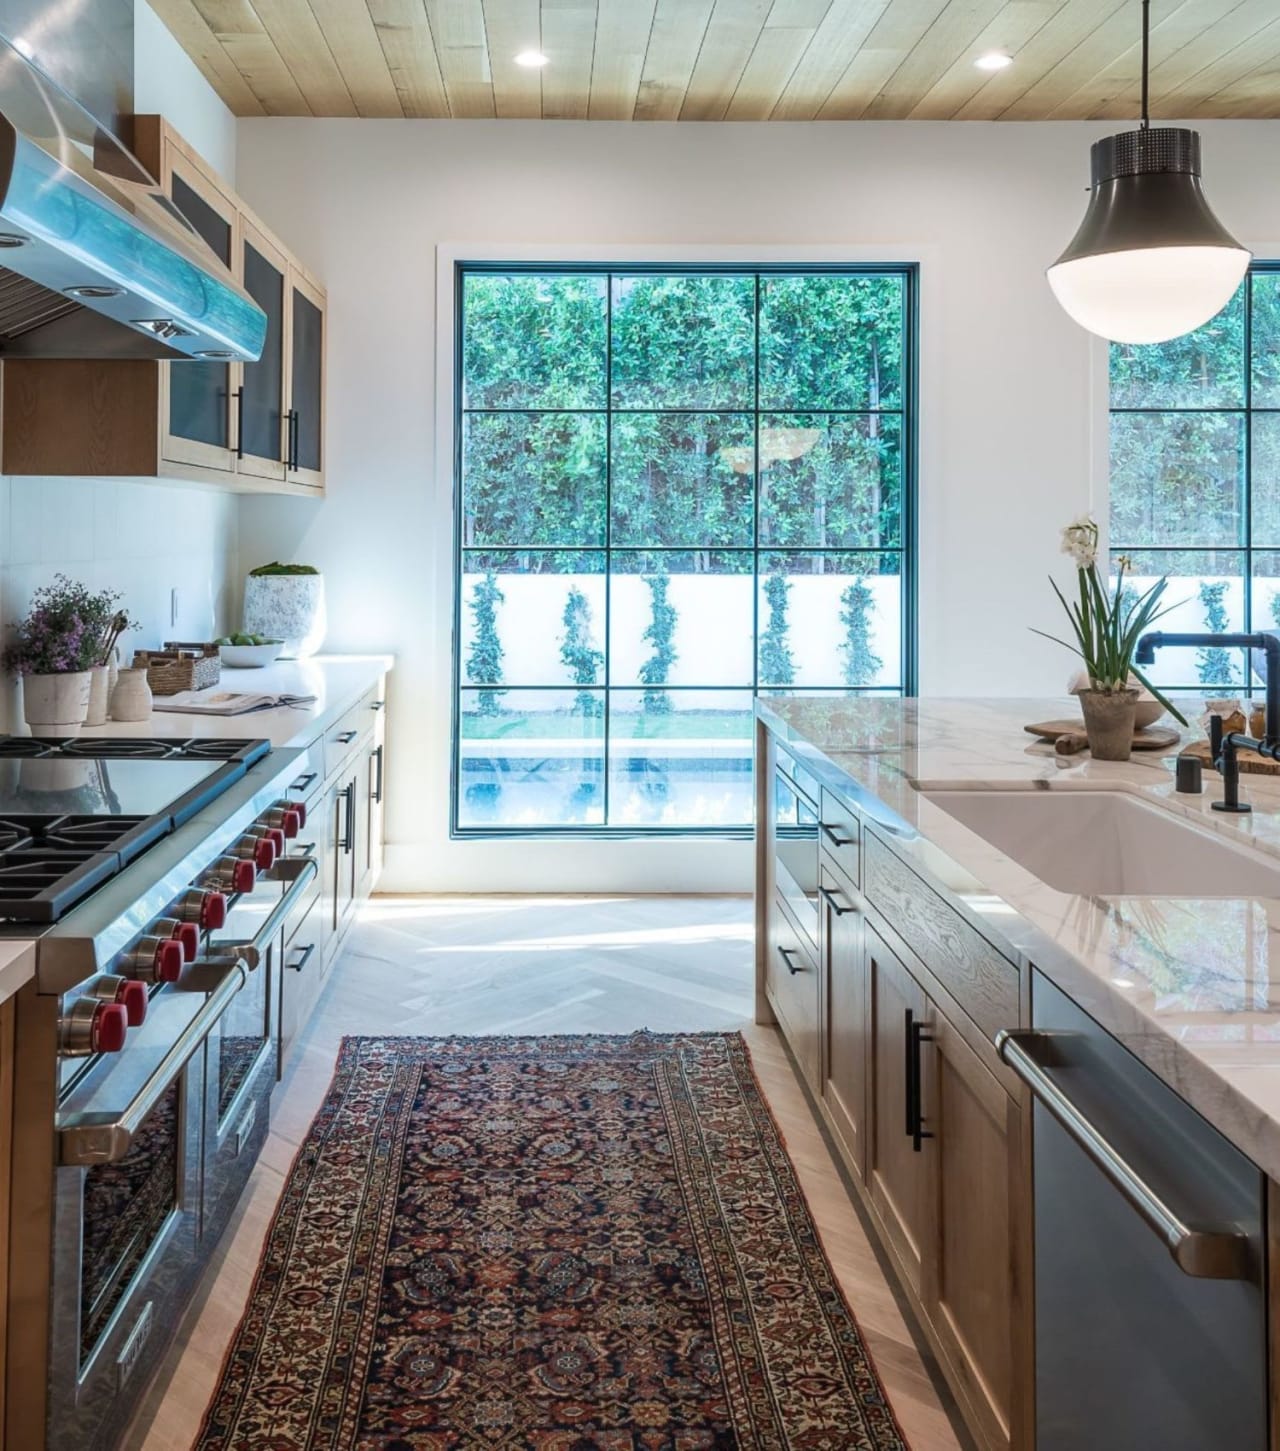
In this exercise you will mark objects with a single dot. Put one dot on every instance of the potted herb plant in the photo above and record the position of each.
(286, 602)
(68, 631)
(1107, 628)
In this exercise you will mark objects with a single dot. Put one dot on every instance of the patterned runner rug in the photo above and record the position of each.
(561, 1244)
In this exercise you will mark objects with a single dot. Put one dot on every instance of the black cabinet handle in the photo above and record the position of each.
(348, 793)
(834, 836)
(291, 462)
(377, 705)
(377, 780)
(303, 782)
(916, 1033)
(787, 953)
(346, 737)
(303, 959)
(240, 421)
(829, 897)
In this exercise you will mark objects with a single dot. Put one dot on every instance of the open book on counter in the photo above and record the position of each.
(225, 702)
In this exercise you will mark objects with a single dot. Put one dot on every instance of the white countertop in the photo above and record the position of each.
(1191, 987)
(336, 681)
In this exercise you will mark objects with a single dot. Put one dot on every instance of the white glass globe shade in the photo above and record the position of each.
(1148, 294)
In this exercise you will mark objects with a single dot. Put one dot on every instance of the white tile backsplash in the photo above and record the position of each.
(142, 539)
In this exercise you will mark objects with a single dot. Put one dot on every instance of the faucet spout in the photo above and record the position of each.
(1145, 654)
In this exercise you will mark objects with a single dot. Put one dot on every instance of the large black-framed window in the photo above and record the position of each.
(1195, 479)
(676, 487)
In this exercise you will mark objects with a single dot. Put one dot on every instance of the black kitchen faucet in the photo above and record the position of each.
(1224, 744)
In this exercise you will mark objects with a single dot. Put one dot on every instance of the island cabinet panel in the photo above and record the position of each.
(896, 1169)
(980, 979)
(791, 986)
(970, 1289)
(844, 1018)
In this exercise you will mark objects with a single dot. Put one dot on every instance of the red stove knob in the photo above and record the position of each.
(276, 837)
(258, 850)
(287, 818)
(207, 910)
(132, 997)
(186, 933)
(109, 1029)
(154, 959)
(234, 875)
(187, 936)
(244, 877)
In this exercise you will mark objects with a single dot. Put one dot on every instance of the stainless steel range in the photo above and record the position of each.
(158, 878)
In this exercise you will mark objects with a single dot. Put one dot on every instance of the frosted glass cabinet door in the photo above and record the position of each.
(305, 422)
(260, 438)
(198, 399)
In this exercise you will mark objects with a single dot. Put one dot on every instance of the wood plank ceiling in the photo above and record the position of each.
(732, 60)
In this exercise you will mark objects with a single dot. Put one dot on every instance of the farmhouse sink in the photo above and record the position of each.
(1109, 844)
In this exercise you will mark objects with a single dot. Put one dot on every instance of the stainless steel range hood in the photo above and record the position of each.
(94, 261)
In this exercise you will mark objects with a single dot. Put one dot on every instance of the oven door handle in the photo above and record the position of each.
(298, 871)
(94, 1138)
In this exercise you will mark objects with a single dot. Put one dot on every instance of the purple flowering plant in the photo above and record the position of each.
(68, 628)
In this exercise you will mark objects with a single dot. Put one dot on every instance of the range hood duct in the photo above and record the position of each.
(95, 262)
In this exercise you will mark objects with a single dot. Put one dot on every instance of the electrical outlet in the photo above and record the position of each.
(173, 607)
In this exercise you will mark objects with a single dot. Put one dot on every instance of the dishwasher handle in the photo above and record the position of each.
(1211, 1254)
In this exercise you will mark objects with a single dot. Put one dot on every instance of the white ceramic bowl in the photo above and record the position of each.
(250, 657)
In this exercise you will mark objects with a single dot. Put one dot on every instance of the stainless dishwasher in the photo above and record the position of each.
(1149, 1252)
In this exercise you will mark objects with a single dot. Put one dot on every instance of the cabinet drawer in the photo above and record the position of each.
(979, 978)
(301, 976)
(791, 980)
(841, 837)
(344, 739)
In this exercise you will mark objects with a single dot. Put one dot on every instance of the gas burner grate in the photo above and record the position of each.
(13, 836)
(125, 750)
(39, 885)
(209, 749)
(26, 747)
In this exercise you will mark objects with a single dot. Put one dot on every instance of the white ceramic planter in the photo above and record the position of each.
(288, 607)
(56, 705)
(132, 698)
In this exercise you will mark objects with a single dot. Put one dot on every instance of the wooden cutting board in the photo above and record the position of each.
(1068, 736)
(1248, 760)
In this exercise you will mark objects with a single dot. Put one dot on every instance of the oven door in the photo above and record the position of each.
(127, 1209)
(242, 1052)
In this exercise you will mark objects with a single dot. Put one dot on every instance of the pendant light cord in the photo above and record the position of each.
(1146, 47)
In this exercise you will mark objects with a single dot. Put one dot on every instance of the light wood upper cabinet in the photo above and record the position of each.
(251, 427)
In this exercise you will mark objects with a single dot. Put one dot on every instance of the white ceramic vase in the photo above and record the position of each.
(288, 607)
(56, 705)
(99, 695)
(131, 699)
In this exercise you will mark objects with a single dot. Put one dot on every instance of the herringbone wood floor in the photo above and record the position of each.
(476, 965)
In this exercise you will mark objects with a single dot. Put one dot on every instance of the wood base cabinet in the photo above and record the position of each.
(927, 1120)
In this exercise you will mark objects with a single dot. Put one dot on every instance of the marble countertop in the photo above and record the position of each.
(336, 681)
(1190, 986)
(17, 965)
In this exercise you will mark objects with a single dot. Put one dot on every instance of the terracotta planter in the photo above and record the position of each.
(131, 699)
(1108, 722)
(56, 705)
(99, 695)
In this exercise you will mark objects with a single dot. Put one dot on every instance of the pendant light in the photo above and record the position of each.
(1150, 261)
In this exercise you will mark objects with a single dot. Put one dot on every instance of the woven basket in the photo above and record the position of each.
(180, 666)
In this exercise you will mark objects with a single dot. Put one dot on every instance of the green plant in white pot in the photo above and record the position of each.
(1107, 627)
(286, 602)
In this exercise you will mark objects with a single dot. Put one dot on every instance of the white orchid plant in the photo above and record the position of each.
(1108, 626)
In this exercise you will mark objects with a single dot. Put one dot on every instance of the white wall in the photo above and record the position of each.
(1012, 417)
(167, 82)
(145, 540)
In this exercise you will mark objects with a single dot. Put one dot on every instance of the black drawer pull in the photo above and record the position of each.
(378, 783)
(304, 958)
(916, 1034)
(841, 909)
(346, 737)
(303, 782)
(787, 953)
(834, 837)
(377, 705)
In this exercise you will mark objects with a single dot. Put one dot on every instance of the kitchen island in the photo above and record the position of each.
(898, 945)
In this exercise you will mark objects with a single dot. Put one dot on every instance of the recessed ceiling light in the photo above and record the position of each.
(994, 60)
(531, 58)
